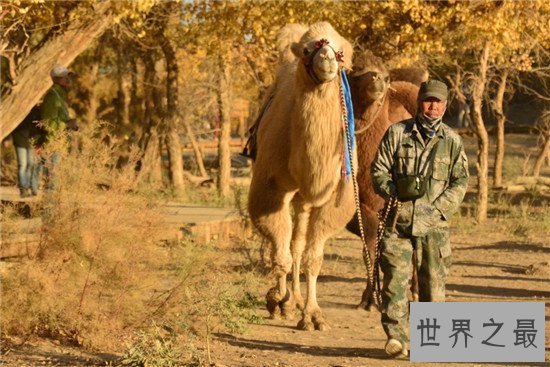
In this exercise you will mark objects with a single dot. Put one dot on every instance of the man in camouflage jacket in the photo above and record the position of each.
(421, 147)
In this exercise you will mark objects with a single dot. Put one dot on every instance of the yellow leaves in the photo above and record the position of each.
(257, 28)
(132, 10)
(254, 12)
(407, 29)
(522, 62)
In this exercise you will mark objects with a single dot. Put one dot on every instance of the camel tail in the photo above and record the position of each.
(288, 35)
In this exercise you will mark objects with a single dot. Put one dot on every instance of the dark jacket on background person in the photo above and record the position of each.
(54, 110)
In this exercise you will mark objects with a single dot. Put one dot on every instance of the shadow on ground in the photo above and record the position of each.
(497, 291)
(510, 246)
(496, 277)
(42, 357)
(297, 348)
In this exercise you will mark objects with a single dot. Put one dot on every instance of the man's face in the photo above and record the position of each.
(433, 108)
(64, 81)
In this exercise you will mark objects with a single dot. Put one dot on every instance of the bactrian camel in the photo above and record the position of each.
(377, 103)
(299, 163)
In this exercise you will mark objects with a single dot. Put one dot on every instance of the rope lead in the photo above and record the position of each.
(375, 283)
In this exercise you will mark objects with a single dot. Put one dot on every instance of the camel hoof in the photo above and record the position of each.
(288, 311)
(306, 325)
(321, 326)
(288, 306)
(367, 306)
(272, 301)
(288, 316)
(415, 297)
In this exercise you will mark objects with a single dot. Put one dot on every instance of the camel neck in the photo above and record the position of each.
(317, 140)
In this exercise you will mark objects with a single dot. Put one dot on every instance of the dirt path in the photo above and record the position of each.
(486, 267)
(500, 261)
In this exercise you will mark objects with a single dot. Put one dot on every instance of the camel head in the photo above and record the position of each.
(322, 52)
(370, 79)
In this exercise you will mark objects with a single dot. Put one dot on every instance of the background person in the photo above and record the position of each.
(26, 159)
(55, 117)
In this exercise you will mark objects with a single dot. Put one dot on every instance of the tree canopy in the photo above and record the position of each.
(122, 47)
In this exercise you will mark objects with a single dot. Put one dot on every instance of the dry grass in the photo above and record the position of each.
(99, 276)
(85, 283)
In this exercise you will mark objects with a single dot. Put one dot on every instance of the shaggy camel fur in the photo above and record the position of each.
(298, 163)
(377, 104)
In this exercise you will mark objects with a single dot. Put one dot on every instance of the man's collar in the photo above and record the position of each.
(59, 88)
(412, 128)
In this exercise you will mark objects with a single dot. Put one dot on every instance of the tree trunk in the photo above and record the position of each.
(123, 93)
(91, 113)
(482, 137)
(501, 120)
(150, 139)
(172, 108)
(196, 148)
(224, 153)
(242, 130)
(176, 161)
(137, 110)
(33, 79)
(150, 162)
(544, 152)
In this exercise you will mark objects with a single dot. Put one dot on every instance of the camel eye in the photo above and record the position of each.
(306, 52)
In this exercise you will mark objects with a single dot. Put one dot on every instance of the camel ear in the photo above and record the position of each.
(296, 49)
(348, 54)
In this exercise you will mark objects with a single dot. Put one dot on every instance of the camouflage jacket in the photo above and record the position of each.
(54, 109)
(400, 153)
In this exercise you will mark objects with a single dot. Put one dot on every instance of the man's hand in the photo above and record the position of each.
(426, 218)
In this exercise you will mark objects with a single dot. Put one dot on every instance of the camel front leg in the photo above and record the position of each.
(312, 317)
(319, 229)
(279, 299)
(324, 222)
(370, 226)
(270, 213)
(297, 246)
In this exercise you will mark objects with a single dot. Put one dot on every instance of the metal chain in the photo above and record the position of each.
(366, 254)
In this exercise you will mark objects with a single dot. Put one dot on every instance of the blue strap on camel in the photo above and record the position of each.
(350, 124)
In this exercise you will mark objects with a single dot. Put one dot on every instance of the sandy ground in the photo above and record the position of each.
(490, 263)
(487, 267)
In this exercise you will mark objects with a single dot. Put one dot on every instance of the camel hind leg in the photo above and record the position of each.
(370, 226)
(270, 212)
